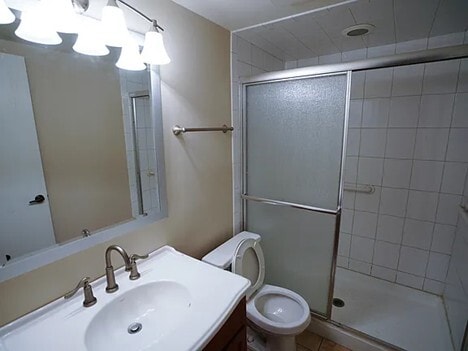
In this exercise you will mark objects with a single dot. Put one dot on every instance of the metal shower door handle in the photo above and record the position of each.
(37, 200)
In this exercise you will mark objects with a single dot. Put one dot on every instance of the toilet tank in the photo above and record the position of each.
(221, 257)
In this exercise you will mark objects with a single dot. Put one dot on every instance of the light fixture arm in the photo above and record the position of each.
(153, 21)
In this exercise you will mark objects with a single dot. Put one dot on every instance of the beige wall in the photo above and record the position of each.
(195, 92)
(78, 114)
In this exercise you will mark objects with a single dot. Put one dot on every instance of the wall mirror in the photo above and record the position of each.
(81, 151)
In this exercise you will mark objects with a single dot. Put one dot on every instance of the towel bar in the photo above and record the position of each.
(366, 189)
(177, 130)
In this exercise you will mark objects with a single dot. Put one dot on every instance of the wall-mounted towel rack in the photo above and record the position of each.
(179, 130)
(366, 189)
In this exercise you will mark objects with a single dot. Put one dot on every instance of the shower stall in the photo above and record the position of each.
(354, 175)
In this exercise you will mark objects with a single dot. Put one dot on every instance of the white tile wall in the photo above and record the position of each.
(443, 238)
(390, 228)
(373, 142)
(418, 234)
(413, 261)
(400, 143)
(404, 111)
(436, 110)
(431, 143)
(397, 173)
(407, 80)
(412, 128)
(383, 273)
(375, 112)
(393, 202)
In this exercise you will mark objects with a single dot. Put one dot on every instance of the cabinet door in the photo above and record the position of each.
(239, 342)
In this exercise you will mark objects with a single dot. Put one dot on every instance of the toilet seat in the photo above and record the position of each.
(249, 262)
(288, 315)
(274, 309)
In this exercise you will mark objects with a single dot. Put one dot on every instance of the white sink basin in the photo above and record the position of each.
(139, 318)
(179, 303)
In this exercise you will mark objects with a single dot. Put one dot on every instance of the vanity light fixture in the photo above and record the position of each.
(62, 15)
(90, 40)
(36, 26)
(40, 24)
(114, 25)
(154, 52)
(6, 16)
(130, 58)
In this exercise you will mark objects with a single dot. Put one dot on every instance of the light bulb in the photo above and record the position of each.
(90, 41)
(113, 25)
(130, 58)
(36, 26)
(6, 16)
(154, 52)
(63, 17)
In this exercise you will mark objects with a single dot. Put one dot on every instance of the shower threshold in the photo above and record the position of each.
(407, 318)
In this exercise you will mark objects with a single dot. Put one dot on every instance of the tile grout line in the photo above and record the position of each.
(357, 164)
(411, 175)
(441, 181)
(383, 165)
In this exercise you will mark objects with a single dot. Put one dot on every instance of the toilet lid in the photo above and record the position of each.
(249, 262)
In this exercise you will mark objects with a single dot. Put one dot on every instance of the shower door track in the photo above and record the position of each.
(410, 58)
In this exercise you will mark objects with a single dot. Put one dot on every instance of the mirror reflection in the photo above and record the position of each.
(77, 142)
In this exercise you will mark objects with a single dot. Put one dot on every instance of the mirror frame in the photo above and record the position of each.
(57, 252)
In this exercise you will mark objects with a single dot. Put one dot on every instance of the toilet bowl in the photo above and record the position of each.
(276, 313)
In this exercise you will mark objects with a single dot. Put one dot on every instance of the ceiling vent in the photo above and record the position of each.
(358, 30)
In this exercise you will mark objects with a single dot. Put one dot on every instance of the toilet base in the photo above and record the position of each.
(269, 342)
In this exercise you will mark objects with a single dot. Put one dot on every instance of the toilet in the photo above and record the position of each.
(276, 315)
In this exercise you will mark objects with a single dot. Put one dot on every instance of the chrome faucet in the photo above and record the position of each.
(130, 266)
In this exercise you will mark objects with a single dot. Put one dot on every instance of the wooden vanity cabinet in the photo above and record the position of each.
(233, 334)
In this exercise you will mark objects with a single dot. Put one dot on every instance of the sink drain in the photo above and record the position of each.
(134, 328)
(338, 302)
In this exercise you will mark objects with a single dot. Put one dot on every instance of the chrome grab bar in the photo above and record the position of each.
(366, 189)
(177, 130)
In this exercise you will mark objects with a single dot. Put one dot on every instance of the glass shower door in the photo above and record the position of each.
(294, 132)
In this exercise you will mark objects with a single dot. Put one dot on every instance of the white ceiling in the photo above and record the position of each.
(319, 33)
(238, 14)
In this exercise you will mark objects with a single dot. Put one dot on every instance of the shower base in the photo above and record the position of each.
(407, 318)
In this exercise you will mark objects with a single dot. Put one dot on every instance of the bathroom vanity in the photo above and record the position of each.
(233, 334)
(179, 303)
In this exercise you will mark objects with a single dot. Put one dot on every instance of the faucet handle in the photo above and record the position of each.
(134, 274)
(135, 257)
(89, 300)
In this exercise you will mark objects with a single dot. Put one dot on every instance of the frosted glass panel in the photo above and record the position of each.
(294, 135)
(298, 249)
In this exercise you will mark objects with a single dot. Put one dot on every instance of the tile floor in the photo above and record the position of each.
(308, 341)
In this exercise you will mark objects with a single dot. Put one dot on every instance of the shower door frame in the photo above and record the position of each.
(337, 212)
(405, 59)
